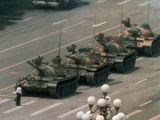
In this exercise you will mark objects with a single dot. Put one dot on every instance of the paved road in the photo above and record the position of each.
(36, 34)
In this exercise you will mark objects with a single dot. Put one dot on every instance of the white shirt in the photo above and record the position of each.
(19, 90)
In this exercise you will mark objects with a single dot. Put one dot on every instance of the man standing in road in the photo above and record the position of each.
(18, 95)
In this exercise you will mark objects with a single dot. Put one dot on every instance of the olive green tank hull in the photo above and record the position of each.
(95, 78)
(58, 88)
(123, 64)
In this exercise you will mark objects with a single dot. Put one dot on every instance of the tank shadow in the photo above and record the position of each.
(132, 70)
(127, 72)
(47, 96)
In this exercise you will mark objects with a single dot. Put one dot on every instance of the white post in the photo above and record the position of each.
(148, 16)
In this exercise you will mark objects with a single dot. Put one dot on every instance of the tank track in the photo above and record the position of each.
(150, 51)
(64, 88)
(127, 64)
(98, 77)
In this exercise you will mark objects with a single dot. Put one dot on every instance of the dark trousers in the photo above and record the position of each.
(18, 99)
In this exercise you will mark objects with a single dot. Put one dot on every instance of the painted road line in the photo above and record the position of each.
(38, 38)
(140, 58)
(71, 112)
(45, 109)
(26, 19)
(145, 103)
(29, 103)
(115, 93)
(124, 2)
(59, 22)
(4, 100)
(101, 1)
(13, 109)
(8, 87)
(10, 96)
(143, 4)
(74, 25)
(155, 118)
(99, 24)
(141, 81)
(134, 113)
(19, 107)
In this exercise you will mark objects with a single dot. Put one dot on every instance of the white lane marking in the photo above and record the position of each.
(38, 38)
(140, 58)
(115, 92)
(124, 2)
(45, 109)
(26, 19)
(11, 96)
(19, 107)
(134, 112)
(13, 109)
(141, 81)
(101, 1)
(71, 112)
(4, 100)
(29, 103)
(99, 24)
(74, 25)
(48, 52)
(145, 103)
(143, 4)
(59, 22)
(8, 87)
(155, 117)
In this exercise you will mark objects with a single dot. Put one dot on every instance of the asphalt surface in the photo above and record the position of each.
(36, 35)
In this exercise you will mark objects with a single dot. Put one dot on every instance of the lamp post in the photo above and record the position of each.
(60, 33)
(91, 101)
(148, 14)
(79, 115)
(103, 110)
(105, 89)
(117, 104)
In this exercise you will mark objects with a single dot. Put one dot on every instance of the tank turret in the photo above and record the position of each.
(120, 58)
(91, 70)
(53, 79)
(141, 38)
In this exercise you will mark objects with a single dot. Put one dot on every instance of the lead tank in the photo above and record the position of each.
(112, 49)
(54, 3)
(91, 69)
(141, 38)
(52, 79)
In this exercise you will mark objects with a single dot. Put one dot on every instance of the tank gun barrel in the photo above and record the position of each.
(36, 67)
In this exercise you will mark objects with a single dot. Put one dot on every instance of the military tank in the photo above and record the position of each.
(52, 79)
(120, 58)
(91, 69)
(54, 3)
(141, 38)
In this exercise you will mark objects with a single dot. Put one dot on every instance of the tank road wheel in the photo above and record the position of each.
(99, 77)
(64, 88)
